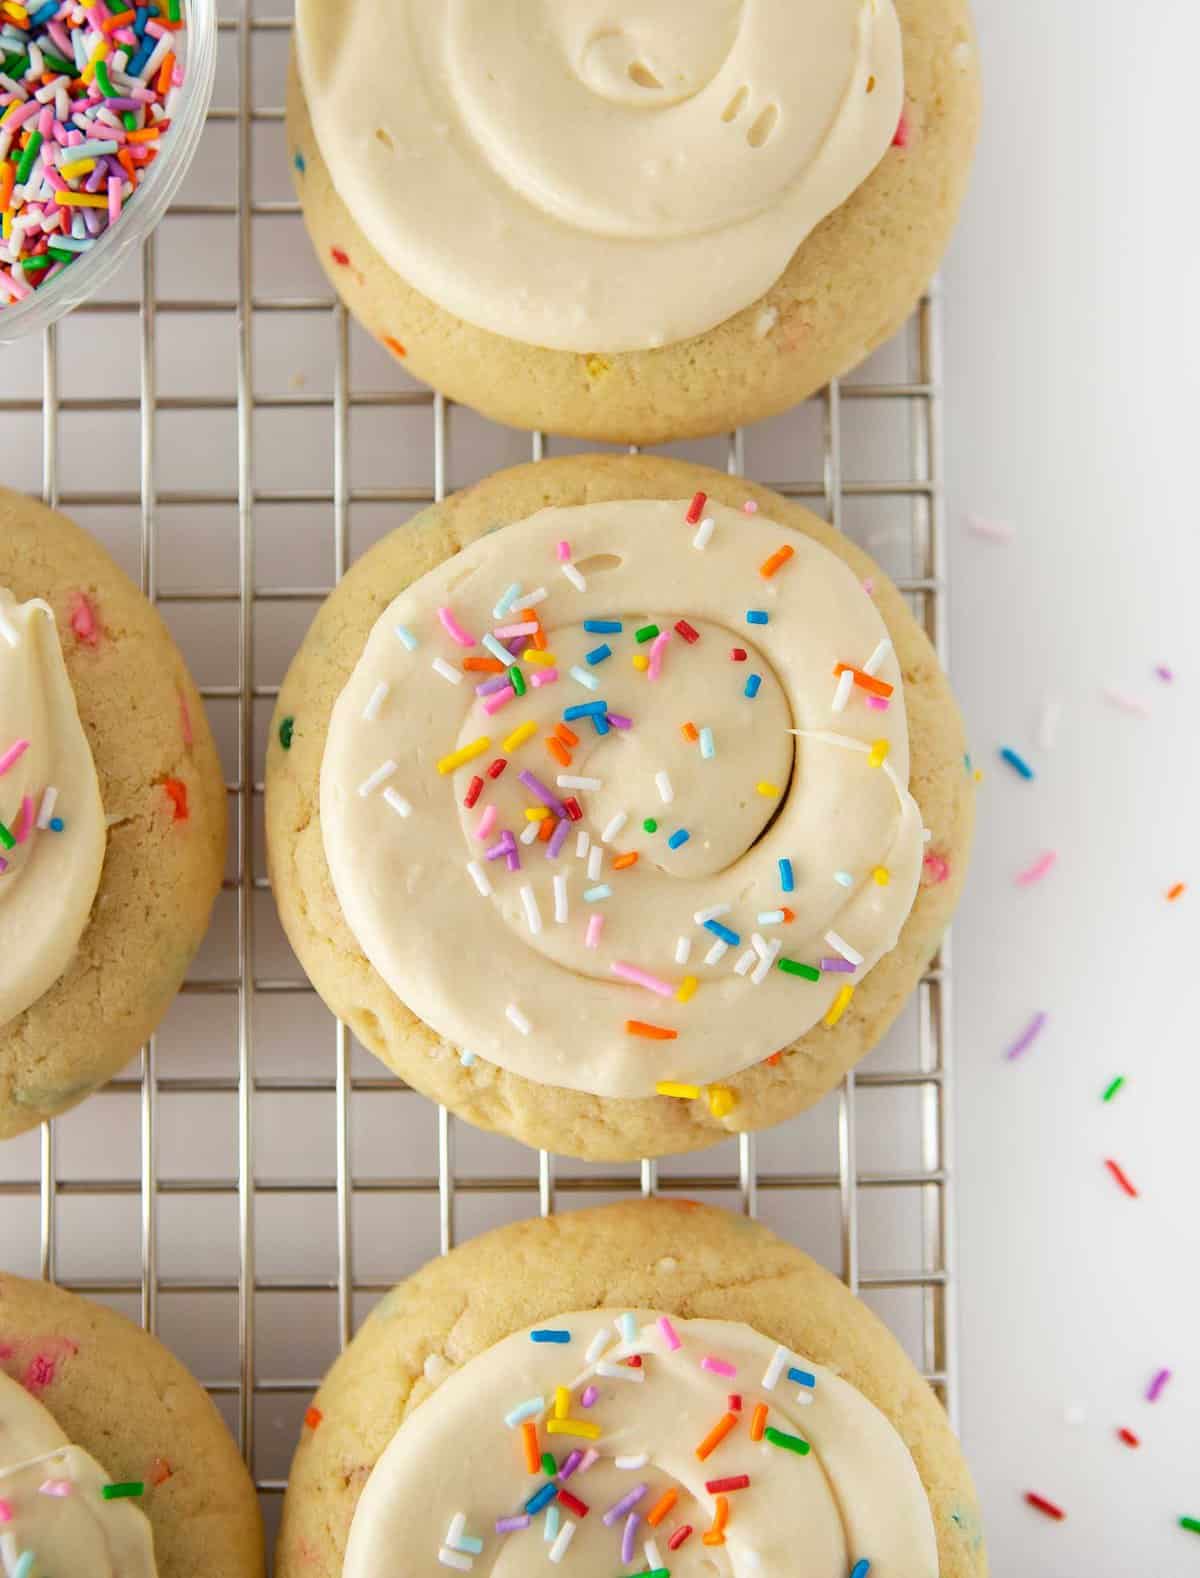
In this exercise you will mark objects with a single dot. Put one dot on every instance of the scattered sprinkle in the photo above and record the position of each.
(1112, 1089)
(1128, 1437)
(1040, 1504)
(1018, 763)
(789, 1443)
(287, 728)
(518, 1020)
(639, 1027)
(1176, 892)
(1028, 1036)
(1121, 1177)
(123, 1490)
(1155, 1390)
(1041, 867)
(752, 686)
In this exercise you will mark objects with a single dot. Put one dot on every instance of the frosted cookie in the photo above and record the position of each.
(114, 1463)
(642, 1388)
(626, 825)
(112, 816)
(631, 224)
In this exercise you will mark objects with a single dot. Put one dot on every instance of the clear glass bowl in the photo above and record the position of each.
(148, 204)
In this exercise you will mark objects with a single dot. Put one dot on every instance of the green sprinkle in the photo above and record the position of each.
(7, 841)
(1113, 1088)
(172, 10)
(653, 1572)
(1192, 1525)
(124, 1490)
(57, 63)
(18, 65)
(129, 119)
(646, 633)
(517, 680)
(36, 265)
(104, 81)
(25, 168)
(649, 825)
(61, 255)
(794, 967)
(795, 1444)
(549, 1465)
(286, 728)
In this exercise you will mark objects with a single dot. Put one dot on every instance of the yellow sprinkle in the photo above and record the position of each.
(468, 753)
(768, 791)
(839, 1005)
(89, 71)
(573, 1427)
(641, 661)
(535, 813)
(597, 365)
(882, 875)
(18, 12)
(721, 1100)
(687, 989)
(6, 224)
(80, 200)
(668, 1087)
(70, 171)
(538, 659)
(523, 732)
(979, 775)
(878, 754)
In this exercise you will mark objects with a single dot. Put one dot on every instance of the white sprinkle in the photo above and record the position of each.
(467, 1059)
(637, 1460)
(780, 1359)
(760, 945)
(597, 1346)
(769, 917)
(582, 841)
(566, 781)
(480, 878)
(997, 531)
(840, 945)
(718, 951)
(449, 1558)
(560, 897)
(379, 776)
(841, 694)
(763, 968)
(573, 575)
(713, 912)
(843, 879)
(517, 1019)
(594, 895)
(662, 783)
(407, 638)
(529, 1409)
(567, 1533)
(595, 862)
(683, 949)
(49, 800)
(805, 1398)
(447, 671)
(620, 1372)
(653, 1559)
(1126, 702)
(927, 835)
(878, 658)
(704, 532)
(765, 322)
(584, 676)
(1048, 728)
(498, 651)
(530, 832)
(707, 749)
(533, 916)
(745, 963)
(532, 599)
(454, 1533)
(613, 827)
(507, 600)
(378, 696)
(398, 803)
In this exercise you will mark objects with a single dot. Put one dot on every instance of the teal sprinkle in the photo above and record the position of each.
(298, 161)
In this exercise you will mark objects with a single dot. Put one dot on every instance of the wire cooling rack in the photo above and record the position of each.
(253, 1184)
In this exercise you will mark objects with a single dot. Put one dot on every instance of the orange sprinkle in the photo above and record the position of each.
(126, 164)
(639, 1027)
(1172, 893)
(630, 858)
(776, 562)
(716, 1435)
(528, 616)
(8, 172)
(788, 915)
(868, 682)
(533, 1458)
(178, 796)
(661, 1507)
(758, 1420)
(567, 736)
(122, 19)
(546, 829)
(149, 134)
(164, 76)
(483, 665)
(773, 1059)
(689, 732)
(716, 1535)
(160, 1471)
(394, 345)
(313, 1417)
(558, 750)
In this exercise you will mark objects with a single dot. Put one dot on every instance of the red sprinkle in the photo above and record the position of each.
(178, 796)
(1119, 1174)
(734, 1482)
(690, 635)
(474, 790)
(738, 654)
(635, 1363)
(340, 257)
(901, 139)
(313, 1417)
(573, 1504)
(573, 808)
(696, 508)
(1042, 1505)
(1128, 1437)
(734, 1402)
(497, 767)
(679, 1536)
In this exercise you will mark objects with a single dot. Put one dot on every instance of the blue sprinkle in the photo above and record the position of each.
(678, 838)
(756, 616)
(752, 685)
(57, 824)
(723, 932)
(787, 880)
(541, 1498)
(550, 1334)
(603, 627)
(407, 638)
(601, 722)
(551, 1530)
(594, 895)
(298, 161)
(467, 1059)
(707, 749)
(586, 709)
(140, 20)
(43, 13)
(598, 654)
(1017, 763)
(802, 1378)
(860, 1569)
(628, 1325)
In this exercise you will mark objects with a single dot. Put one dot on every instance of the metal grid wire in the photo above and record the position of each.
(192, 1146)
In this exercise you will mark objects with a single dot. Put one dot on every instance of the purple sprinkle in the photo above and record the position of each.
(626, 1503)
(508, 1525)
(547, 796)
(618, 720)
(1164, 673)
(491, 686)
(123, 104)
(513, 860)
(1027, 1037)
(1154, 1390)
(557, 839)
(628, 1535)
(500, 849)
(587, 1397)
(838, 966)
(573, 1459)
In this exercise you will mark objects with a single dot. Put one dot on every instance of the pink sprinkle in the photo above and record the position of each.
(750, 507)
(869, 586)
(185, 722)
(6, 1512)
(588, 1396)
(878, 703)
(1027, 1037)
(1154, 1390)
(55, 1487)
(995, 531)
(900, 140)
(1126, 703)
(589, 1457)
(669, 1332)
(717, 1366)
(487, 822)
(564, 552)
(656, 653)
(1164, 673)
(640, 977)
(13, 755)
(114, 199)
(25, 821)
(506, 632)
(83, 620)
(501, 699)
(543, 676)
(935, 869)
(1041, 866)
(453, 629)
(595, 925)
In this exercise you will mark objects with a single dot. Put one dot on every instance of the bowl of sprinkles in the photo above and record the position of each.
(101, 109)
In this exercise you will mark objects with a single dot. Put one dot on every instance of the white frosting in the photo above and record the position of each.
(502, 975)
(597, 174)
(52, 1503)
(48, 879)
(855, 1496)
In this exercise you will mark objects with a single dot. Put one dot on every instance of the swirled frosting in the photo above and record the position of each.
(598, 176)
(52, 832)
(813, 1479)
(52, 1502)
(713, 734)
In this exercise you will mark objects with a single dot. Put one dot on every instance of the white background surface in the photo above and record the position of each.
(1071, 414)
